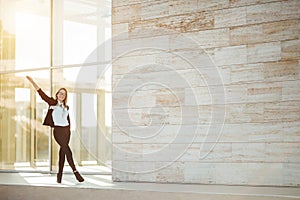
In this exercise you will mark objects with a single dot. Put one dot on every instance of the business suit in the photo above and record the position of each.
(61, 134)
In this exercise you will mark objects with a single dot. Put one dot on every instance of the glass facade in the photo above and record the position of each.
(60, 43)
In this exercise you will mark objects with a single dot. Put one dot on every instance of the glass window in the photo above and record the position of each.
(24, 141)
(81, 31)
(80, 34)
(90, 113)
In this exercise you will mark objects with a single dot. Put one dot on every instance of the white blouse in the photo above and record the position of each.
(60, 115)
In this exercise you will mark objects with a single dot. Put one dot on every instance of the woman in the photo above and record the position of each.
(58, 118)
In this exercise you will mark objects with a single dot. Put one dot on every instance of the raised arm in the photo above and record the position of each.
(33, 83)
(45, 97)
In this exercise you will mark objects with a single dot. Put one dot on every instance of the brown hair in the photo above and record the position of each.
(66, 97)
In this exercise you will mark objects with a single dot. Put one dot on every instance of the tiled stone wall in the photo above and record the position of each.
(206, 91)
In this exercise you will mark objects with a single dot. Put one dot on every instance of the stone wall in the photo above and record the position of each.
(206, 91)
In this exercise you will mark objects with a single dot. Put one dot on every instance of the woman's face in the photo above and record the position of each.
(61, 95)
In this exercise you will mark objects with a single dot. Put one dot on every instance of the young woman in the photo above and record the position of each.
(58, 118)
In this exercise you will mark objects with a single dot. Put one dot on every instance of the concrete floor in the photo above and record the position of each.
(31, 184)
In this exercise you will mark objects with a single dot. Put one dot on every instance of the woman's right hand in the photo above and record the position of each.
(33, 83)
(29, 78)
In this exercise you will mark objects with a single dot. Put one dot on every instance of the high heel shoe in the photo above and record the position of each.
(78, 176)
(59, 176)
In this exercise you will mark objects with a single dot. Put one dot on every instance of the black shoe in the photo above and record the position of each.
(78, 176)
(59, 175)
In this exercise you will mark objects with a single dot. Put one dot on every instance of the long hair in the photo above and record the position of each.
(66, 97)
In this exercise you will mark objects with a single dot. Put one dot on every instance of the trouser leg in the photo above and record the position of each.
(62, 137)
(61, 160)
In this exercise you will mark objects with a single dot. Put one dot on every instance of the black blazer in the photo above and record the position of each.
(48, 121)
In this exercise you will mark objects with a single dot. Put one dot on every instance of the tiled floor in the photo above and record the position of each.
(105, 182)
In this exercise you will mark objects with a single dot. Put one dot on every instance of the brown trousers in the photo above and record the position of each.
(62, 137)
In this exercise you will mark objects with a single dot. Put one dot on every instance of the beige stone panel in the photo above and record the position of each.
(214, 78)
(127, 152)
(231, 173)
(290, 9)
(173, 79)
(254, 132)
(230, 55)
(282, 30)
(290, 50)
(160, 134)
(177, 7)
(210, 114)
(264, 52)
(119, 136)
(266, 132)
(291, 90)
(187, 115)
(188, 22)
(126, 65)
(195, 172)
(257, 92)
(280, 71)
(268, 32)
(171, 173)
(211, 38)
(206, 95)
(242, 113)
(224, 73)
(142, 177)
(147, 28)
(283, 152)
(124, 2)
(198, 96)
(240, 35)
(248, 152)
(125, 14)
(287, 111)
(291, 131)
(265, 173)
(145, 134)
(217, 152)
(209, 133)
(291, 174)
(246, 73)
(168, 153)
(154, 9)
(140, 46)
(235, 132)
(230, 17)
(120, 31)
(169, 97)
(274, 11)
(174, 24)
(157, 80)
(132, 117)
(180, 42)
(136, 99)
(189, 78)
(236, 93)
(264, 13)
(150, 98)
(186, 59)
(129, 168)
(213, 4)
(238, 3)
(264, 92)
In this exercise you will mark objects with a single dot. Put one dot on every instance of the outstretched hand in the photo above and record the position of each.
(33, 83)
(29, 78)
